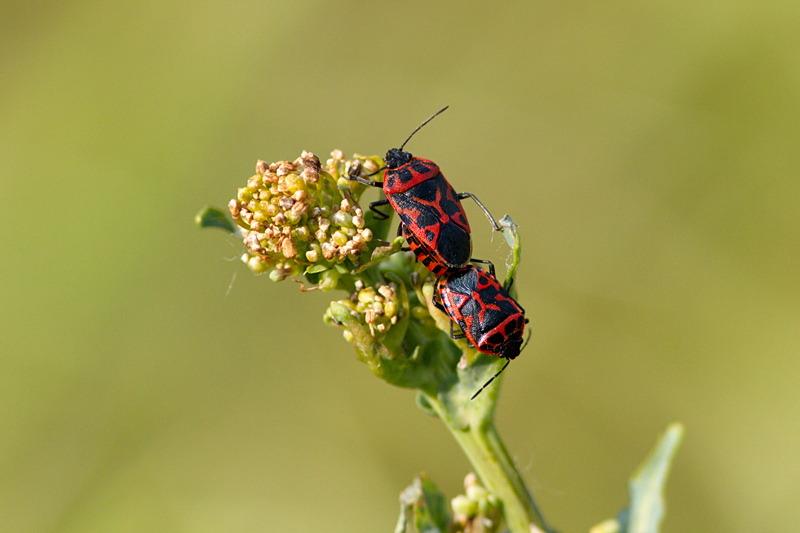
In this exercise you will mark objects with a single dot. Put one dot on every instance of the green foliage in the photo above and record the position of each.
(510, 233)
(647, 485)
(210, 217)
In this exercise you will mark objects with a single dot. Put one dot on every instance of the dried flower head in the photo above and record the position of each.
(297, 217)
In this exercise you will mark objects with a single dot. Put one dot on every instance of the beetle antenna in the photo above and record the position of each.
(420, 126)
(528, 339)
(487, 383)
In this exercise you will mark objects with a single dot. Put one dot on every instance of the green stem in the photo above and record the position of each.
(485, 450)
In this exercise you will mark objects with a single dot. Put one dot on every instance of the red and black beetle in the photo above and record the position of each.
(431, 216)
(488, 316)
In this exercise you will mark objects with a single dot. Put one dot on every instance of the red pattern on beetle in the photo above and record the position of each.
(417, 170)
(487, 312)
(429, 209)
(433, 216)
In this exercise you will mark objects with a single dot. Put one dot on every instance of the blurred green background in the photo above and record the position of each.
(648, 150)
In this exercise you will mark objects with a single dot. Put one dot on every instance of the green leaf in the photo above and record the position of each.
(425, 405)
(380, 251)
(511, 233)
(211, 217)
(647, 484)
(319, 267)
(423, 508)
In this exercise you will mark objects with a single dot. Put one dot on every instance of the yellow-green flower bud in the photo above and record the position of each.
(291, 217)
(302, 233)
(339, 238)
(476, 492)
(293, 183)
(464, 506)
(256, 264)
(329, 279)
(342, 218)
(366, 295)
(390, 308)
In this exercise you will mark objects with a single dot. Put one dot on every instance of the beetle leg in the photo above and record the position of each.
(484, 262)
(437, 303)
(376, 173)
(380, 215)
(526, 340)
(365, 182)
(399, 233)
(463, 195)
(454, 335)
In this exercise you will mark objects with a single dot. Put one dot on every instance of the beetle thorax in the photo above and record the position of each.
(397, 158)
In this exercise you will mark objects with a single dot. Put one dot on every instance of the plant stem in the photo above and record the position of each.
(485, 450)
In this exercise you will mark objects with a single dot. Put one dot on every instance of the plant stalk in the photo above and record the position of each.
(485, 450)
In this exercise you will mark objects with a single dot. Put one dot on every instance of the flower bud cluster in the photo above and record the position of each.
(378, 308)
(294, 216)
(478, 510)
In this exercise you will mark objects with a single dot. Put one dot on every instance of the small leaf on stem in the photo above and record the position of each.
(211, 217)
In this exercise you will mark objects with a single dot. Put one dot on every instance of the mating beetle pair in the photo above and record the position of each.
(435, 226)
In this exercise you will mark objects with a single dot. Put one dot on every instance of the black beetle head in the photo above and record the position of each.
(396, 157)
(511, 348)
